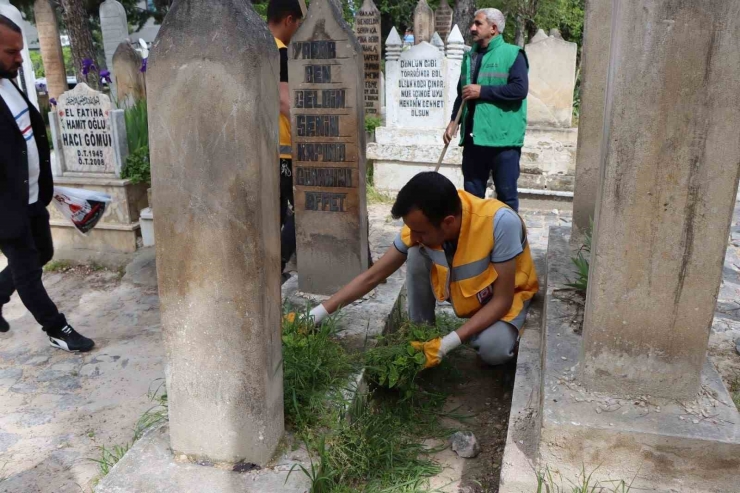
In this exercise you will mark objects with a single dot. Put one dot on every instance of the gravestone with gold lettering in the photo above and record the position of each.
(367, 29)
(326, 61)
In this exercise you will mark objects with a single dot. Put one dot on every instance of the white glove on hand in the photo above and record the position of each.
(319, 314)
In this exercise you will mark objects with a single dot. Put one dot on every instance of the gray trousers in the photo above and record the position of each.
(495, 345)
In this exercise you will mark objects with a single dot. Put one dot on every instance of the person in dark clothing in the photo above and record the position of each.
(283, 20)
(26, 188)
(493, 86)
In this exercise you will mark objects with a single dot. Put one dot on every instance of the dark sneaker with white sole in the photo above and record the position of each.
(4, 325)
(68, 339)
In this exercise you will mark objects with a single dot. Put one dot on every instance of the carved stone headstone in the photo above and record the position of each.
(86, 132)
(328, 150)
(419, 91)
(552, 79)
(443, 19)
(438, 43)
(114, 25)
(51, 48)
(216, 187)
(130, 81)
(423, 22)
(367, 29)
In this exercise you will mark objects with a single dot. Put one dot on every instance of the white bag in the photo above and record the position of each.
(83, 207)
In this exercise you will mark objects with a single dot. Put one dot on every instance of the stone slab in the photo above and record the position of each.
(149, 467)
(667, 446)
(547, 162)
(552, 79)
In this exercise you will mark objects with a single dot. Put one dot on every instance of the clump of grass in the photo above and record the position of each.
(109, 457)
(155, 415)
(735, 391)
(549, 482)
(316, 368)
(377, 197)
(58, 266)
(377, 447)
(582, 263)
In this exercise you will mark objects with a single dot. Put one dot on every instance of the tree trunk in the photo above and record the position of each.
(51, 48)
(519, 36)
(80, 39)
(463, 16)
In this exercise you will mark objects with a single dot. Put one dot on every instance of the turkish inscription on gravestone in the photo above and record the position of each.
(367, 29)
(323, 75)
(86, 134)
(421, 87)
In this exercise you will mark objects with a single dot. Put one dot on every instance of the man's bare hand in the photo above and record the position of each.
(450, 132)
(471, 91)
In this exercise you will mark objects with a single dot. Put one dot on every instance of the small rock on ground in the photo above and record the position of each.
(465, 444)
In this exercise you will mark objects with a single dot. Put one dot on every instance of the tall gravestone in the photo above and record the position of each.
(367, 29)
(552, 80)
(443, 19)
(130, 82)
(423, 22)
(51, 48)
(594, 66)
(114, 25)
(669, 177)
(328, 150)
(216, 187)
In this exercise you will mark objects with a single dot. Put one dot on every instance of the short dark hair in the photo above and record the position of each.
(431, 193)
(4, 21)
(277, 10)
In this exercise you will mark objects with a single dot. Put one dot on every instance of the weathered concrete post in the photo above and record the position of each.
(594, 66)
(438, 43)
(367, 29)
(213, 120)
(130, 82)
(114, 26)
(443, 19)
(423, 22)
(51, 48)
(668, 185)
(328, 150)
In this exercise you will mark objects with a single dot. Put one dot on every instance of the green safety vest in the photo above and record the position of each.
(503, 123)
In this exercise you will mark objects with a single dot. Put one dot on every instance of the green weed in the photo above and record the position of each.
(371, 123)
(315, 370)
(57, 266)
(394, 364)
(549, 482)
(110, 457)
(582, 263)
(377, 197)
(735, 391)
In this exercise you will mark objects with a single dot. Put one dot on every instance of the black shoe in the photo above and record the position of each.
(69, 340)
(4, 325)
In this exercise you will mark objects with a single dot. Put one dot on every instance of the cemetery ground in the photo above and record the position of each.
(58, 411)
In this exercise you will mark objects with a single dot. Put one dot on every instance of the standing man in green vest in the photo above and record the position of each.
(493, 85)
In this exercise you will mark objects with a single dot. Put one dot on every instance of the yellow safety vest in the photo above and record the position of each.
(469, 283)
(286, 147)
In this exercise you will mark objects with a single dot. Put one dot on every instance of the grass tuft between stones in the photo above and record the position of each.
(376, 442)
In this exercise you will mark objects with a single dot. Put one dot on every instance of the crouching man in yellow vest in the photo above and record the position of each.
(471, 252)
